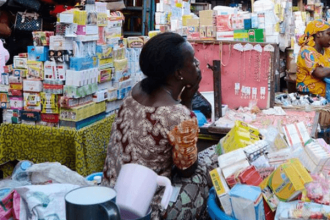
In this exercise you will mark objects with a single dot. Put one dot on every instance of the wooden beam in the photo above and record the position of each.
(252, 3)
(300, 4)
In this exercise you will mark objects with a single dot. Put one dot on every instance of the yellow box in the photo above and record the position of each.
(135, 42)
(35, 70)
(55, 110)
(241, 135)
(185, 18)
(82, 112)
(49, 100)
(120, 65)
(105, 75)
(80, 17)
(102, 19)
(285, 183)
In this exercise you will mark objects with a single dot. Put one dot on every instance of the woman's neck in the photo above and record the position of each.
(319, 48)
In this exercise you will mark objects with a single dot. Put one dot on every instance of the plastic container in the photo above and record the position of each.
(200, 118)
(213, 208)
(19, 173)
(327, 90)
(93, 175)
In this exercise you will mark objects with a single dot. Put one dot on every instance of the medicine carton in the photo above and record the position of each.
(246, 202)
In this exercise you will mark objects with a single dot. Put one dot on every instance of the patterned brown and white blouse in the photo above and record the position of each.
(155, 137)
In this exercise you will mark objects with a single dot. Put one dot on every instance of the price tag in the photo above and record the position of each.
(262, 90)
(254, 91)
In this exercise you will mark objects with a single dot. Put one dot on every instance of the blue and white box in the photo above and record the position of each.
(247, 202)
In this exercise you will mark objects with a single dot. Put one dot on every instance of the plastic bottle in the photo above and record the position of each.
(19, 173)
(323, 101)
(97, 180)
(285, 100)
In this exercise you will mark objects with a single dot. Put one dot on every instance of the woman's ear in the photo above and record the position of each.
(319, 34)
(178, 75)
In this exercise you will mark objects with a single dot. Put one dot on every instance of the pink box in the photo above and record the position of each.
(81, 30)
(223, 23)
(16, 103)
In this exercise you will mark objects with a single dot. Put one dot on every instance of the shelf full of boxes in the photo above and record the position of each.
(265, 24)
(75, 76)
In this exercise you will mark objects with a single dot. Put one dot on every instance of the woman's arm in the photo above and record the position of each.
(183, 138)
(321, 72)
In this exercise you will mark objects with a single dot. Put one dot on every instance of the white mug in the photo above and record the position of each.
(136, 186)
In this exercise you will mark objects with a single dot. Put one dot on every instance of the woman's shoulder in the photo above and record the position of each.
(327, 51)
(307, 48)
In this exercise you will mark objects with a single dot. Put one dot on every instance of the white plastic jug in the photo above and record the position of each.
(136, 186)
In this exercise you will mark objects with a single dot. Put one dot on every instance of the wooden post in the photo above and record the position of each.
(301, 5)
(217, 89)
(252, 3)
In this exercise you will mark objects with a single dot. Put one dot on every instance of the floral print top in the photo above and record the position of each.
(155, 137)
(308, 60)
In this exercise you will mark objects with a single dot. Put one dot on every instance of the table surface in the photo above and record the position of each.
(263, 121)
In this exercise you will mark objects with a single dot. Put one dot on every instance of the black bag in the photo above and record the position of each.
(28, 21)
(200, 103)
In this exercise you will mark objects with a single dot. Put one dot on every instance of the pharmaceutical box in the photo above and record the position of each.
(222, 190)
(20, 63)
(32, 102)
(83, 123)
(35, 70)
(247, 202)
(105, 75)
(30, 116)
(41, 38)
(285, 183)
(82, 63)
(80, 17)
(241, 35)
(104, 51)
(82, 112)
(256, 35)
(16, 86)
(66, 18)
(57, 43)
(20, 72)
(16, 103)
(15, 92)
(32, 85)
(223, 23)
(38, 53)
(78, 92)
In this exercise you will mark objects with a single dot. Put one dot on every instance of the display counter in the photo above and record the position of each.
(81, 150)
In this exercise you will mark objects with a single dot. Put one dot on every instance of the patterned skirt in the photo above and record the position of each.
(192, 199)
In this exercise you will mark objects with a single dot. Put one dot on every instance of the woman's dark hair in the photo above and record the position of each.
(160, 57)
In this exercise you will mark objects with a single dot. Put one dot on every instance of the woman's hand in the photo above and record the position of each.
(189, 92)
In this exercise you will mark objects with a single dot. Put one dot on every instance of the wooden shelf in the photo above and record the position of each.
(132, 33)
(228, 42)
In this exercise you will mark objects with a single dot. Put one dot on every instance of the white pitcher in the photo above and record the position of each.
(136, 186)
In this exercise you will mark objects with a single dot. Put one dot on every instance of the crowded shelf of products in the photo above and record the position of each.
(75, 76)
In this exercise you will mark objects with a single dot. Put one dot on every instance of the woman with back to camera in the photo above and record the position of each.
(156, 128)
(313, 63)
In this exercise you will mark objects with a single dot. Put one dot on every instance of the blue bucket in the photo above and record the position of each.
(214, 210)
(327, 90)
(91, 177)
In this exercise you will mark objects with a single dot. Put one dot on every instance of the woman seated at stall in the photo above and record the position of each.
(155, 127)
(314, 58)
